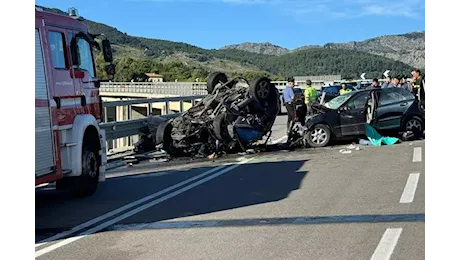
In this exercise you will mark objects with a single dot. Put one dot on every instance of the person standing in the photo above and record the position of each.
(418, 87)
(344, 89)
(386, 83)
(403, 83)
(311, 96)
(374, 84)
(288, 95)
(394, 83)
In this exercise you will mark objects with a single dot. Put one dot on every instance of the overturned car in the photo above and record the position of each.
(233, 116)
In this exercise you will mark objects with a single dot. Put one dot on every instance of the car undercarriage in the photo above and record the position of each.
(235, 115)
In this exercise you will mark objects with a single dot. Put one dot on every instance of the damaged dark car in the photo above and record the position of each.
(391, 110)
(233, 116)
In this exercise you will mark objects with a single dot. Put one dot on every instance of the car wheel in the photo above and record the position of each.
(414, 124)
(318, 136)
(259, 88)
(163, 136)
(85, 184)
(214, 79)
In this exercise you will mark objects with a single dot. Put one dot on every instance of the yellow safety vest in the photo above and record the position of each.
(310, 94)
(344, 91)
(416, 83)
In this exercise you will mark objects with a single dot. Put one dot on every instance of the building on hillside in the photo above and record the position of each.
(153, 77)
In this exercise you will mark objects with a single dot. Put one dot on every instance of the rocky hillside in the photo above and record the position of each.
(408, 48)
(260, 48)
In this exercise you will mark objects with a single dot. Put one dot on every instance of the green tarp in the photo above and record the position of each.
(376, 139)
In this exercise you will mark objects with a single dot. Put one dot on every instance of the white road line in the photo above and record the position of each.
(409, 191)
(417, 154)
(138, 209)
(125, 207)
(387, 244)
(279, 139)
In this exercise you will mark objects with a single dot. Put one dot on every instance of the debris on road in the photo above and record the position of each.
(345, 151)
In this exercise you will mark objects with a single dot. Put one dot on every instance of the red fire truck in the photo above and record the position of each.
(69, 145)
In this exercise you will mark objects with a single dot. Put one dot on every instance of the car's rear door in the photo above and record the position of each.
(392, 105)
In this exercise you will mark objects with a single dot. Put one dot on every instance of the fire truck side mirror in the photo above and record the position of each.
(110, 69)
(107, 50)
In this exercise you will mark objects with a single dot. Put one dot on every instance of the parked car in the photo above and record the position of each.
(345, 117)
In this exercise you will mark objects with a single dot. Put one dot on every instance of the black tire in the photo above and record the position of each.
(414, 121)
(260, 89)
(214, 79)
(85, 184)
(319, 141)
(163, 136)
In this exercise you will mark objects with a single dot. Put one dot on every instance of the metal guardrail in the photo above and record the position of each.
(126, 128)
(155, 88)
(115, 130)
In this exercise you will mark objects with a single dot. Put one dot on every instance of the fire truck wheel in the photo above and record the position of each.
(86, 184)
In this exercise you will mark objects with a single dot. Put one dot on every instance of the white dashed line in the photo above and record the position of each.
(417, 154)
(409, 191)
(387, 244)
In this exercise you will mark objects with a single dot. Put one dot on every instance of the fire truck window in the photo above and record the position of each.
(86, 60)
(56, 41)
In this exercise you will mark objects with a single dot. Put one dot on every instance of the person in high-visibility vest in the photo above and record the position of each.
(311, 96)
(344, 89)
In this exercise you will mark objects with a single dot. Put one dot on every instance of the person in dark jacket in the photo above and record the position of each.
(374, 84)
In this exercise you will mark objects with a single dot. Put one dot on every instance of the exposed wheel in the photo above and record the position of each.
(260, 88)
(319, 136)
(86, 184)
(163, 136)
(214, 79)
(414, 124)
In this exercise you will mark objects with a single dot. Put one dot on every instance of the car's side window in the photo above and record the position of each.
(358, 101)
(390, 96)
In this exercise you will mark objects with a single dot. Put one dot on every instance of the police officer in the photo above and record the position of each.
(311, 96)
(344, 89)
(288, 95)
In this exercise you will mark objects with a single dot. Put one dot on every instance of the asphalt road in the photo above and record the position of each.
(305, 204)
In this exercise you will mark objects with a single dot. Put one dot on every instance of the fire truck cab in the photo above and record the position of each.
(70, 148)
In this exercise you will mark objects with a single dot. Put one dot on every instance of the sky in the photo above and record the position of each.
(212, 24)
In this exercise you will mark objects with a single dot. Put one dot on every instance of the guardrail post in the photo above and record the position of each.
(181, 106)
(149, 108)
(130, 115)
(167, 108)
(105, 115)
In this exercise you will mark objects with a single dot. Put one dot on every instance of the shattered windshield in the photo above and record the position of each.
(336, 102)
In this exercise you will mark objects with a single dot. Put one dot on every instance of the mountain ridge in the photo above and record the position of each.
(408, 48)
(134, 56)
